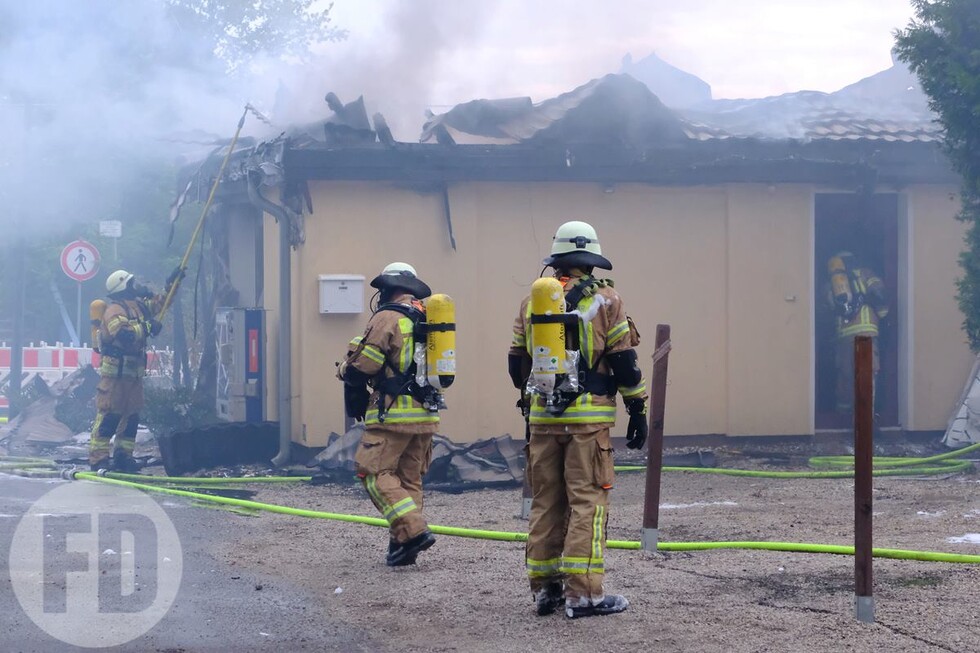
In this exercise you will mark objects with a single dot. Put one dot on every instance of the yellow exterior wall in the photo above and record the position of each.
(729, 268)
(940, 358)
(770, 294)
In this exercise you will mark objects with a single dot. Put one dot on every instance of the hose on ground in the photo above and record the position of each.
(505, 536)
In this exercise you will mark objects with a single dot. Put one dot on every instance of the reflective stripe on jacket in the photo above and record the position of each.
(123, 337)
(603, 329)
(865, 321)
(388, 345)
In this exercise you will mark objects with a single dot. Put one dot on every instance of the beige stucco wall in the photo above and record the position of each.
(729, 268)
(940, 358)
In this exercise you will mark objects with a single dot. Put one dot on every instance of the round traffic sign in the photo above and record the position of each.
(80, 260)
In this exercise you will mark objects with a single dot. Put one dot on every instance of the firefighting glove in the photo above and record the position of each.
(175, 276)
(356, 399)
(154, 327)
(636, 430)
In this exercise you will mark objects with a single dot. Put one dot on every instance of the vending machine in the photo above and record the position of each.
(241, 364)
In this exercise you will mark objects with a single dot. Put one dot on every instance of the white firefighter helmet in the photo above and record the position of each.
(401, 275)
(117, 281)
(576, 244)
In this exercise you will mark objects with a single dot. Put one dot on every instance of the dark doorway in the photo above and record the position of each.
(866, 225)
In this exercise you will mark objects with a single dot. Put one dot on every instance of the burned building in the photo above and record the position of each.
(718, 218)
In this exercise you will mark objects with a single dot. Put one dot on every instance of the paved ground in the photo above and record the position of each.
(221, 605)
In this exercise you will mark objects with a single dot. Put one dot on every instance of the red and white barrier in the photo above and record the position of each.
(54, 362)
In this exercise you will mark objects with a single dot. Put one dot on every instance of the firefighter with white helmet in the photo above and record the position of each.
(121, 327)
(572, 352)
(388, 384)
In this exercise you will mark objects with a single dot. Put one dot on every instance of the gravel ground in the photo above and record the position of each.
(471, 595)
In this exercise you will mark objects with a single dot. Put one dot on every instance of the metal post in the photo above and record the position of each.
(78, 316)
(864, 605)
(655, 441)
(17, 346)
(285, 346)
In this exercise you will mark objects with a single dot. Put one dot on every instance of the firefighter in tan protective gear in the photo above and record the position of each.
(857, 294)
(400, 416)
(570, 457)
(122, 330)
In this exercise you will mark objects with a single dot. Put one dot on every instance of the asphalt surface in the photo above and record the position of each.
(218, 606)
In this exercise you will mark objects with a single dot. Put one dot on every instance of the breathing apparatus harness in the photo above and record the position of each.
(121, 353)
(407, 383)
(585, 378)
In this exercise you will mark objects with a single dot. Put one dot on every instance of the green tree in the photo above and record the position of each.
(942, 46)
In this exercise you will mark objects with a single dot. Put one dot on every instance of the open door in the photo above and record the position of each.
(866, 225)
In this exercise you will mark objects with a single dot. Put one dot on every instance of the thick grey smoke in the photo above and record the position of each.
(397, 72)
(88, 91)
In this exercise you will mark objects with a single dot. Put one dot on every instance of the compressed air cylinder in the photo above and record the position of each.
(95, 312)
(547, 337)
(839, 284)
(440, 346)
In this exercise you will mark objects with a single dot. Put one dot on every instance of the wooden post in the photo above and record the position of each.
(655, 441)
(864, 606)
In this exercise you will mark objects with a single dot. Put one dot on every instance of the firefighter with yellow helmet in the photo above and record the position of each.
(857, 295)
(572, 352)
(393, 378)
(121, 327)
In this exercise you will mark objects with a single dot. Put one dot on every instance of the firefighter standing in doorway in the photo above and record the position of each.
(570, 457)
(380, 387)
(121, 327)
(858, 298)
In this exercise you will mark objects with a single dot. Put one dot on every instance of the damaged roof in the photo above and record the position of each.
(888, 106)
(615, 109)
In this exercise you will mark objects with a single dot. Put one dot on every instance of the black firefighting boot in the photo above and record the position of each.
(404, 551)
(101, 463)
(124, 463)
(407, 560)
(548, 598)
(610, 604)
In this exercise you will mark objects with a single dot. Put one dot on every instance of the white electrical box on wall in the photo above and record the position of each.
(341, 293)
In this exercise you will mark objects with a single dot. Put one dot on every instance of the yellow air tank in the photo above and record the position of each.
(547, 334)
(840, 285)
(95, 312)
(440, 345)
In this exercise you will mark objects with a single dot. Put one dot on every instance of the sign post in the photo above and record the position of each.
(80, 261)
(111, 229)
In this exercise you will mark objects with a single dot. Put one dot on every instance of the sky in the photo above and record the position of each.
(441, 52)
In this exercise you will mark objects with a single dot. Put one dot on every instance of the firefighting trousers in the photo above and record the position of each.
(391, 465)
(845, 372)
(570, 476)
(117, 404)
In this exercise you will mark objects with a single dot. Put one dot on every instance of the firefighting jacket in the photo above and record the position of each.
(864, 322)
(386, 351)
(603, 329)
(123, 334)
